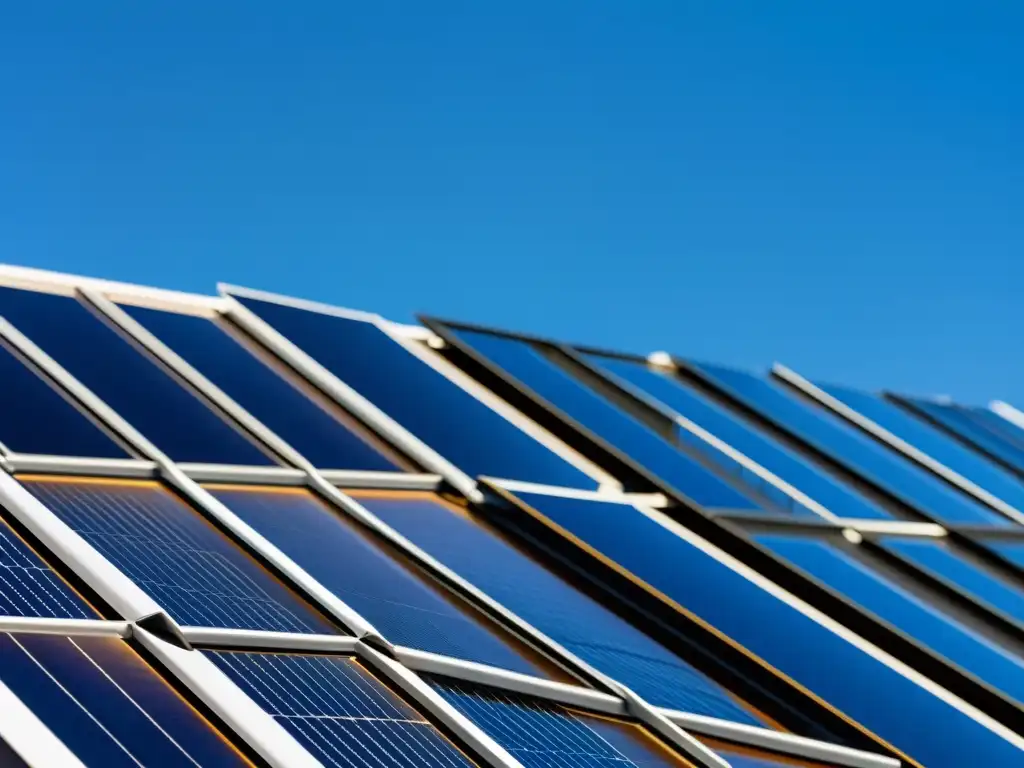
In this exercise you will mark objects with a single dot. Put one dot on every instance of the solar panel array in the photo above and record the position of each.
(250, 529)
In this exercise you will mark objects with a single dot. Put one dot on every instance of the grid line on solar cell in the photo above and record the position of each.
(29, 588)
(342, 715)
(175, 556)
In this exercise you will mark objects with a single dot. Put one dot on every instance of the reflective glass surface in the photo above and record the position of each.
(904, 610)
(987, 430)
(191, 569)
(938, 559)
(915, 486)
(542, 734)
(578, 622)
(605, 420)
(907, 715)
(43, 421)
(401, 602)
(107, 705)
(313, 431)
(340, 714)
(28, 587)
(444, 416)
(175, 420)
(770, 454)
(931, 441)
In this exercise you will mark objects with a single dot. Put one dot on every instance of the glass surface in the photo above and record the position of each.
(541, 734)
(340, 714)
(605, 420)
(441, 414)
(897, 709)
(28, 587)
(147, 397)
(402, 603)
(1011, 551)
(191, 569)
(43, 421)
(770, 454)
(902, 609)
(310, 429)
(931, 441)
(578, 622)
(916, 487)
(107, 705)
(987, 430)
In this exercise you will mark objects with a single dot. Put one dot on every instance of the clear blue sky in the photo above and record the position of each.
(838, 186)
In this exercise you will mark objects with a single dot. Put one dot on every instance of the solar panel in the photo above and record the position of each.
(338, 712)
(904, 480)
(44, 422)
(393, 596)
(789, 466)
(904, 610)
(314, 430)
(523, 585)
(444, 416)
(1012, 551)
(28, 587)
(986, 430)
(192, 570)
(107, 705)
(542, 734)
(937, 558)
(931, 730)
(174, 419)
(933, 442)
(603, 419)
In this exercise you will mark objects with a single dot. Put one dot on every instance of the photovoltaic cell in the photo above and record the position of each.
(938, 559)
(398, 600)
(542, 734)
(44, 422)
(931, 441)
(575, 620)
(1011, 551)
(770, 454)
(988, 431)
(931, 730)
(340, 714)
(602, 418)
(915, 486)
(174, 419)
(192, 570)
(265, 393)
(444, 416)
(107, 705)
(28, 587)
(903, 610)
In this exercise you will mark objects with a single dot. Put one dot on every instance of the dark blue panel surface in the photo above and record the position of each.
(605, 420)
(931, 441)
(929, 729)
(400, 602)
(36, 419)
(790, 466)
(918, 619)
(107, 705)
(28, 587)
(444, 416)
(987, 430)
(541, 734)
(556, 608)
(311, 430)
(176, 421)
(915, 486)
(936, 557)
(340, 714)
(186, 565)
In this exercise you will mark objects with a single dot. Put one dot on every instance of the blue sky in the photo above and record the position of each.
(838, 186)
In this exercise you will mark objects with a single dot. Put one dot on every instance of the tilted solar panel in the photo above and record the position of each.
(191, 569)
(335, 709)
(988, 431)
